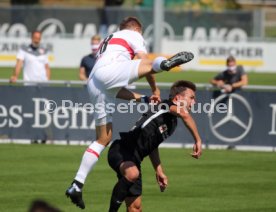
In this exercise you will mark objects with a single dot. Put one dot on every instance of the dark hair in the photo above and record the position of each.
(180, 86)
(230, 59)
(130, 22)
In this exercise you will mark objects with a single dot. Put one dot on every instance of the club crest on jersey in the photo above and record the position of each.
(163, 128)
(41, 51)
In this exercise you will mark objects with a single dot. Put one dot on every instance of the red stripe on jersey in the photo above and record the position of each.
(122, 42)
(93, 152)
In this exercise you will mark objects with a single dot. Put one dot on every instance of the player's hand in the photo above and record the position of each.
(162, 181)
(13, 79)
(197, 150)
(155, 99)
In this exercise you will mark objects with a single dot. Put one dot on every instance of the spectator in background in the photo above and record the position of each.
(34, 60)
(88, 61)
(231, 79)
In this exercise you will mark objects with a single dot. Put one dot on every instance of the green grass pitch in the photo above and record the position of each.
(194, 76)
(220, 181)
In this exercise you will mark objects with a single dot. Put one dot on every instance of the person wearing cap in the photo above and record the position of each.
(88, 61)
(233, 78)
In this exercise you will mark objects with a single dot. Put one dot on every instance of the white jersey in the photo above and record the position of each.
(120, 46)
(34, 63)
(114, 69)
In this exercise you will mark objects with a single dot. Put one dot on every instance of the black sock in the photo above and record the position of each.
(79, 184)
(119, 194)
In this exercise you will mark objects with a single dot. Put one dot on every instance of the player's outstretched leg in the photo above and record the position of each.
(176, 60)
(75, 195)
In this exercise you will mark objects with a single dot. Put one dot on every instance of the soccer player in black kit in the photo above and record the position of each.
(126, 154)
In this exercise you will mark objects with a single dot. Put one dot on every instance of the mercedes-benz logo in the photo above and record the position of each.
(230, 116)
(167, 30)
(51, 27)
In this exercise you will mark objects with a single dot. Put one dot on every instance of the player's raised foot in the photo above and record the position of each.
(75, 196)
(176, 60)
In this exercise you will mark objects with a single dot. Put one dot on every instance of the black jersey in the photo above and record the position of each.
(231, 77)
(88, 63)
(150, 130)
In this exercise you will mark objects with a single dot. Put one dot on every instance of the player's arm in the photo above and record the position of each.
(17, 70)
(161, 178)
(191, 125)
(242, 82)
(130, 95)
(152, 82)
(82, 75)
(151, 79)
(48, 71)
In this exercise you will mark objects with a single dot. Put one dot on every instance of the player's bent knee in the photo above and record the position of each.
(132, 175)
(130, 171)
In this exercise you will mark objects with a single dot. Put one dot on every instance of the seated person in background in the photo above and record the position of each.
(88, 61)
(231, 79)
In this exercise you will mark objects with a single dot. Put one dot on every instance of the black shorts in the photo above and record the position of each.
(116, 155)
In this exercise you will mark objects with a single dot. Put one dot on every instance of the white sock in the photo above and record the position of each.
(89, 160)
(156, 64)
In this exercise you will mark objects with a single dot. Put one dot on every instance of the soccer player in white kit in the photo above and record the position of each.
(115, 69)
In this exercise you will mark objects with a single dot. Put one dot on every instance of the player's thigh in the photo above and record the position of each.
(134, 204)
(117, 75)
(104, 133)
(115, 156)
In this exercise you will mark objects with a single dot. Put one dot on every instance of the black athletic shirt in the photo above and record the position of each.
(150, 130)
(88, 63)
(229, 78)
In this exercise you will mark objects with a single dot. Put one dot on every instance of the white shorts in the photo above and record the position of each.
(104, 84)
